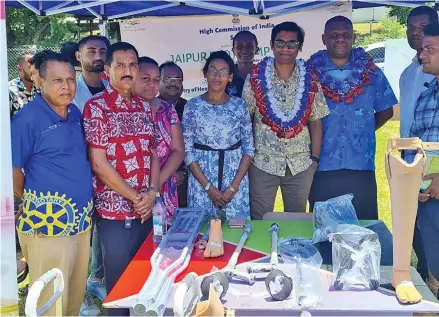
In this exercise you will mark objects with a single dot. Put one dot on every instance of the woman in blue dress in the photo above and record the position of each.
(218, 140)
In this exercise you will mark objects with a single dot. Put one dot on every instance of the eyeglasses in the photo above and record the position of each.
(221, 73)
(290, 44)
(169, 80)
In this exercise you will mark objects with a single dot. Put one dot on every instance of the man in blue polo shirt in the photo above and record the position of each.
(361, 101)
(53, 176)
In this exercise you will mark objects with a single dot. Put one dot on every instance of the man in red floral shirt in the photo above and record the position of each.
(119, 132)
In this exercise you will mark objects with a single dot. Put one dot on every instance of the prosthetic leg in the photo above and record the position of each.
(404, 182)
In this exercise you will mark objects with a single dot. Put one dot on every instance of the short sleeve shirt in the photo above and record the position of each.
(273, 154)
(126, 132)
(19, 95)
(349, 131)
(51, 150)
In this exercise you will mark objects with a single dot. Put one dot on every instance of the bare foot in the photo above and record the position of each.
(406, 292)
(214, 247)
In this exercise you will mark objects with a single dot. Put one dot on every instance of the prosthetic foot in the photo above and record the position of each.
(214, 247)
(404, 182)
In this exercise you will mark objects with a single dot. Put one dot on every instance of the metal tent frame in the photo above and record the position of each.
(117, 9)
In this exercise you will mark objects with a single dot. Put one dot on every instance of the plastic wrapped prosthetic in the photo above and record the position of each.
(356, 256)
(307, 262)
(328, 214)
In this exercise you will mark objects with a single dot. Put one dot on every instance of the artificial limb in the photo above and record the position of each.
(404, 182)
(220, 278)
(212, 240)
(214, 246)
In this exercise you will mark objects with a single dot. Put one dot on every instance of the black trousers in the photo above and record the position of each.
(362, 184)
(119, 245)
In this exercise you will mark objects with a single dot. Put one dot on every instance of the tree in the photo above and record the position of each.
(400, 13)
(23, 27)
(389, 29)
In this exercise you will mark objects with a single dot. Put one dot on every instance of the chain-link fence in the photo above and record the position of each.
(14, 54)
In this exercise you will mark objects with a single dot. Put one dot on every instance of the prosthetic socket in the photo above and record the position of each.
(404, 182)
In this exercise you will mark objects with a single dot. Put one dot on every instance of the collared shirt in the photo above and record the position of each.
(19, 95)
(178, 105)
(411, 85)
(126, 132)
(349, 131)
(274, 154)
(58, 182)
(83, 93)
(426, 119)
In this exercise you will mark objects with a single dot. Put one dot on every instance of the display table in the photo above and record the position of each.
(257, 249)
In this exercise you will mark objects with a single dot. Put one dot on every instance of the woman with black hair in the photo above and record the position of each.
(218, 141)
(245, 47)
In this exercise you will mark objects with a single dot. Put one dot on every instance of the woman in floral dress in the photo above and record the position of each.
(218, 141)
(169, 139)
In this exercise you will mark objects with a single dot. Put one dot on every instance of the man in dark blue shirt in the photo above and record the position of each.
(53, 176)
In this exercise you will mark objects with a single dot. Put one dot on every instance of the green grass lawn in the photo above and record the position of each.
(364, 28)
(390, 130)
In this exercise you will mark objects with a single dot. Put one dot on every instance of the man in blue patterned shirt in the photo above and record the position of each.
(426, 127)
(360, 101)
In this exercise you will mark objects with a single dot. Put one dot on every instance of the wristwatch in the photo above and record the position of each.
(315, 159)
(155, 190)
(207, 187)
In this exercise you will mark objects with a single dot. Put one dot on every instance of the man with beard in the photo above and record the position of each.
(426, 127)
(361, 101)
(91, 54)
(170, 90)
(21, 89)
(119, 130)
(411, 85)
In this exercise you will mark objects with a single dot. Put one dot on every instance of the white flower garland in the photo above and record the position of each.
(278, 111)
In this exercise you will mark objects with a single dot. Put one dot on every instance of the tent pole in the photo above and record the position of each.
(8, 287)
(103, 27)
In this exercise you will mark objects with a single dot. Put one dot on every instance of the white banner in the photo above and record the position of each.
(188, 41)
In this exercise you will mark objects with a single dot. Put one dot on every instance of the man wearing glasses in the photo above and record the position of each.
(286, 105)
(361, 101)
(170, 90)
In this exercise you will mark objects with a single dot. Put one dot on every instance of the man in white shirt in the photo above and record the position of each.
(92, 55)
(411, 85)
(412, 80)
